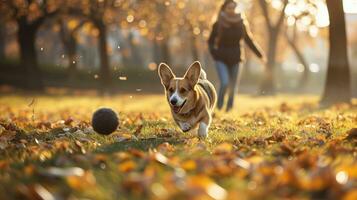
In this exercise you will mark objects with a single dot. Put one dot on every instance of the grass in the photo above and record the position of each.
(267, 148)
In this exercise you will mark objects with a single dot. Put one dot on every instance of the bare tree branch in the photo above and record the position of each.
(282, 14)
(264, 6)
(62, 31)
(39, 21)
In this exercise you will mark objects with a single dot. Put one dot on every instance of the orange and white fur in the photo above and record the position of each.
(192, 98)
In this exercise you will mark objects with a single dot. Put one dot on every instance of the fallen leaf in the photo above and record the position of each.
(352, 135)
(242, 163)
(207, 185)
(63, 172)
(188, 165)
(161, 158)
(127, 166)
(82, 182)
(223, 148)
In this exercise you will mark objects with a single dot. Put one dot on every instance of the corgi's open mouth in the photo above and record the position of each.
(177, 109)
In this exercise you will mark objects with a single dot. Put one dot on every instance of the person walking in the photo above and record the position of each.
(225, 45)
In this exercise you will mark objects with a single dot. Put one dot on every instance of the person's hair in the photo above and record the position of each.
(226, 2)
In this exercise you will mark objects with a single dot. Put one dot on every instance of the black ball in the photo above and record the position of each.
(105, 121)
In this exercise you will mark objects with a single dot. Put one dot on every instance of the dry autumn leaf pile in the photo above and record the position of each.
(286, 152)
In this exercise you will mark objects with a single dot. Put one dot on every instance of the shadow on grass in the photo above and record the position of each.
(140, 144)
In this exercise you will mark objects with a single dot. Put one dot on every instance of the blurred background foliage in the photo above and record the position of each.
(116, 45)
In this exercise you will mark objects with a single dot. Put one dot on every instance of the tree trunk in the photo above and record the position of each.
(194, 51)
(70, 47)
(72, 57)
(156, 48)
(2, 41)
(136, 58)
(193, 41)
(126, 58)
(26, 39)
(105, 76)
(162, 45)
(300, 57)
(338, 85)
(267, 86)
(273, 28)
(248, 66)
(165, 50)
(161, 51)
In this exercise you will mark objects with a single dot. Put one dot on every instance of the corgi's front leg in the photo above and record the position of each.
(185, 126)
(203, 130)
(204, 126)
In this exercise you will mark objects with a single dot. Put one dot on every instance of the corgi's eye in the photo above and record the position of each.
(171, 90)
(183, 90)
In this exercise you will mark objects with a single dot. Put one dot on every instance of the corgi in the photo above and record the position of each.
(192, 98)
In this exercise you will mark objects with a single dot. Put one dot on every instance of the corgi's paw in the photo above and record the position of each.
(185, 127)
(203, 130)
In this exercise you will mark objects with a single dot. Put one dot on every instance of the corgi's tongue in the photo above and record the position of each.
(176, 109)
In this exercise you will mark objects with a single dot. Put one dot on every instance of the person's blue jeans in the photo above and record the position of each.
(228, 76)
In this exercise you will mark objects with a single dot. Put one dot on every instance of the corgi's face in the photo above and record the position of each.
(180, 92)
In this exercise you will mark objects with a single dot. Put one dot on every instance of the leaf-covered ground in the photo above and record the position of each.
(267, 148)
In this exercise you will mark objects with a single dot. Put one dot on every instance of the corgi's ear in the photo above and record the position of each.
(166, 74)
(193, 73)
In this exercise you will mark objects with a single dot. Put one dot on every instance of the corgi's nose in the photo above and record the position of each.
(173, 101)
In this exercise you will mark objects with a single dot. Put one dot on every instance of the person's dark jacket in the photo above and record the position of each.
(229, 49)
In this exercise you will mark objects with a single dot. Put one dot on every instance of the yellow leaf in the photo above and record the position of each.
(223, 148)
(255, 159)
(189, 165)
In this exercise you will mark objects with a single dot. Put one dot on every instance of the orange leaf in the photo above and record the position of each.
(127, 166)
(81, 182)
(189, 165)
(223, 148)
